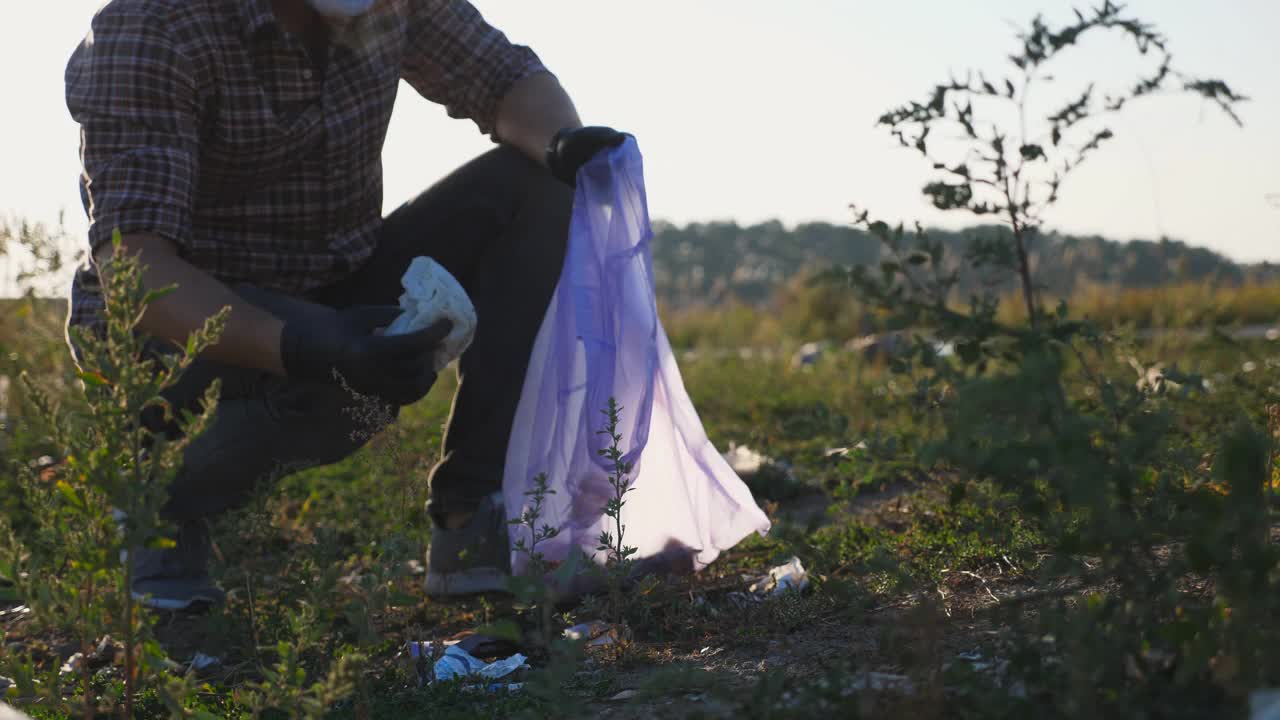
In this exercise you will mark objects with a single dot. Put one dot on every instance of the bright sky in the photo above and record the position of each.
(755, 109)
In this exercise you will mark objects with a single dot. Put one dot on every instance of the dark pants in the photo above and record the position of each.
(499, 224)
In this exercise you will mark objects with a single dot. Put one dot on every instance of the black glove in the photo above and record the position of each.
(571, 148)
(396, 368)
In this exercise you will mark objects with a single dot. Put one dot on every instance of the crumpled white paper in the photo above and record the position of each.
(431, 293)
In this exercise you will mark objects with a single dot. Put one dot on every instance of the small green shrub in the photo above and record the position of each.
(64, 559)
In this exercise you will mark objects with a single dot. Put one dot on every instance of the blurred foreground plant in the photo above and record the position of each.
(64, 556)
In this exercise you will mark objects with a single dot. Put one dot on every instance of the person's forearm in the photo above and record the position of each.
(532, 112)
(251, 337)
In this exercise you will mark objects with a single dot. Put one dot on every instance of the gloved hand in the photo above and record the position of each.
(395, 368)
(571, 148)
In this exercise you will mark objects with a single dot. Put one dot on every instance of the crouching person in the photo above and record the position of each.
(237, 148)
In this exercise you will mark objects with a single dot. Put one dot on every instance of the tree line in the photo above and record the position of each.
(715, 263)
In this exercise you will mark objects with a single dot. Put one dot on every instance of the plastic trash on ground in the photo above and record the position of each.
(14, 612)
(72, 664)
(458, 663)
(597, 634)
(790, 575)
(431, 293)
(204, 662)
(808, 355)
(751, 465)
(600, 339)
(744, 461)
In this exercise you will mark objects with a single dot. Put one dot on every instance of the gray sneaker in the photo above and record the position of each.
(176, 578)
(474, 558)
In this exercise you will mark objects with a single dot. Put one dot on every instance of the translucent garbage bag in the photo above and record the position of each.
(601, 338)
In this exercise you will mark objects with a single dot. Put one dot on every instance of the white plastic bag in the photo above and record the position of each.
(602, 339)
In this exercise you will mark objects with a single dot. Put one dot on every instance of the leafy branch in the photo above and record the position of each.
(1018, 173)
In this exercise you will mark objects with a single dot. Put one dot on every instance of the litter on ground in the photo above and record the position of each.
(72, 664)
(456, 663)
(745, 461)
(14, 612)
(597, 634)
(790, 575)
(203, 662)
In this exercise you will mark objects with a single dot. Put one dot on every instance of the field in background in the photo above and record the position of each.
(800, 314)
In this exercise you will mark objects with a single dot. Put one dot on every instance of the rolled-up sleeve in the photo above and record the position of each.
(131, 87)
(457, 59)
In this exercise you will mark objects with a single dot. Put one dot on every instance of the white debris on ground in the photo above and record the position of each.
(840, 452)
(457, 663)
(431, 293)
(204, 662)
(996, 668)
(1264, 704)
(596, 633)
(14, 612)
(750, 464)
(808, 355)
(745, 461)
(9, 713)
(788, 576)
(72, 665)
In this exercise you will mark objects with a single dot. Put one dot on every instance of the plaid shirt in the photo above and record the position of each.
(204, 123)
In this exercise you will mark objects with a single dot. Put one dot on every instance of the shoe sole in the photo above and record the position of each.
(467, 582)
